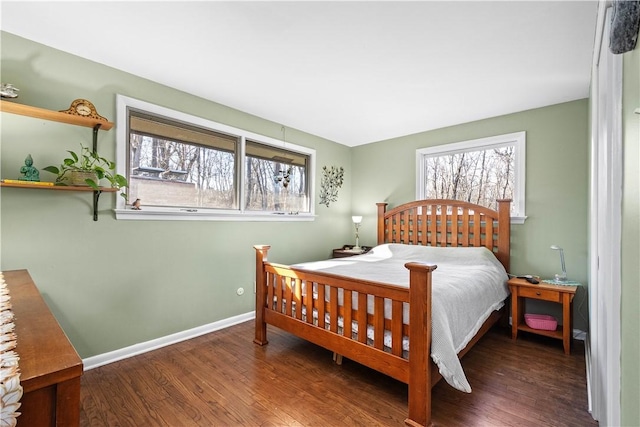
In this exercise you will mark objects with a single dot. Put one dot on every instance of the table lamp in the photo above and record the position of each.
(560, 277)
(356, 222)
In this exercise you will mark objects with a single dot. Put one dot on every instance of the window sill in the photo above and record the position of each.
(164, 215)
(518, 219)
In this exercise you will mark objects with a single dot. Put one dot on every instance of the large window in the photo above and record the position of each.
(479, 171)
(185, 167)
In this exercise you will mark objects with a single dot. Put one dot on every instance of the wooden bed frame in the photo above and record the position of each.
(279, 292)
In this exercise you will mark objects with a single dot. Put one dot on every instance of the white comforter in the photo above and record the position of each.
(468, 285)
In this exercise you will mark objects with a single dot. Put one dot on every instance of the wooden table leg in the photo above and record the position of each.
(567, 330)
(515, 313)
(68, 403)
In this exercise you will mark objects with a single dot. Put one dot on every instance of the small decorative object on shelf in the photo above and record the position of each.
(83, 108)
(331, 181)
(136, 205)
(7, 90)
(89, 162)
(29, 173)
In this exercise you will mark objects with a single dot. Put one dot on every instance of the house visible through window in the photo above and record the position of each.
(172, 164)
(479, 171)
(184, 166)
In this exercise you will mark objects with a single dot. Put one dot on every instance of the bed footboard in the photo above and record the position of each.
(358, 319)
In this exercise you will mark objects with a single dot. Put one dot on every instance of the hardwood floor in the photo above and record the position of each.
(223, 379)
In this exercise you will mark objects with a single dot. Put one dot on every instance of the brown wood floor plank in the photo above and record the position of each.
(107, 393)
(223, 379)
(91, 413)
(220, 393)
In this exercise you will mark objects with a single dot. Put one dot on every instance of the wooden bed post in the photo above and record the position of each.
(504, 232)
(382, 207)
(419, 344)
(261, 294)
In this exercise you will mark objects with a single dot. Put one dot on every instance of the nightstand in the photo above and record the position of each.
(347, 250)
(521, 289)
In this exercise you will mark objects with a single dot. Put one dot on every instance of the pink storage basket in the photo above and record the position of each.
(541, 321)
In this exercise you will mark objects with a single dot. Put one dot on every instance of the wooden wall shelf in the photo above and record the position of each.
(56, 116)
(96, 194)
(57, 187)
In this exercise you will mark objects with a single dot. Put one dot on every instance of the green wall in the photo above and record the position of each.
(556, 188)
(630, 252)
(112, 284)
(116, 283)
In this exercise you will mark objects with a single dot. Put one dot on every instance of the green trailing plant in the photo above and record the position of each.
(92, 162)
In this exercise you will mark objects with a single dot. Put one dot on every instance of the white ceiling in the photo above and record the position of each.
(351, 72)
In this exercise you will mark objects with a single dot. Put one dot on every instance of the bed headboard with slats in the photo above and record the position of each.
(451, 223)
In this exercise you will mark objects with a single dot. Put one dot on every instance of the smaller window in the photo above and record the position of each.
(478, 171)
(275, 179)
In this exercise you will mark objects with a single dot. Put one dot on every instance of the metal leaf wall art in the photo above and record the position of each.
(331, 182)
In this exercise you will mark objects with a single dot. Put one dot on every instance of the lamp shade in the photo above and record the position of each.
(356, 219)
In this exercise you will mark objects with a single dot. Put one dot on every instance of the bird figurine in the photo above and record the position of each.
(136, 205)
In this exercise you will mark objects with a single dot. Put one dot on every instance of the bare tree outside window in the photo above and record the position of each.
(172, 173)
(265, 192)
(479, 177)
(275, 179)
(480, 171)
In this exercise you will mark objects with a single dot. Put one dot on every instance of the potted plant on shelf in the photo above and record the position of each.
(88, 168)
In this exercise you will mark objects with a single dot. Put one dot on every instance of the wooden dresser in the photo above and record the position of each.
(49, 365)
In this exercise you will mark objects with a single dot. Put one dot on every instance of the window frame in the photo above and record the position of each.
(123, 209)
(516, 139)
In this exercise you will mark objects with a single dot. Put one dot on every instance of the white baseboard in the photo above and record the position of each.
(579, 334)
(143, 347)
